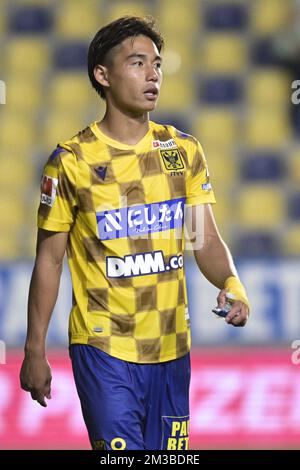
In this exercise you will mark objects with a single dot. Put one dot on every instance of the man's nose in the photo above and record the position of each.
(152, 74)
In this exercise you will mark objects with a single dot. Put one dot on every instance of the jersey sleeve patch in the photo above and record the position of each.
(48, 190)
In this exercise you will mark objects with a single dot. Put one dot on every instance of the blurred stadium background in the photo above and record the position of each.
(228, 69)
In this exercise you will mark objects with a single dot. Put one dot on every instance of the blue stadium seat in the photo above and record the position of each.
(294, 207)
(71, 55)
(221, 90)
(263, 52)
(263, 166)
(181, 122)
(252, 244)
(32, 19)
(226, 16)
(296, 119)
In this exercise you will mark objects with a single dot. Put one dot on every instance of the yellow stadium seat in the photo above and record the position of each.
(60, 126)
(268, 88)
(27, 56)
(224, 212)
(260, 207)
(76, 19)
(176, 94)
(71, 91)
(177, 55)
(29, 242)
(222, 53)
(216, 127)
(178, 20)
(269, 16)
(28, 246)
(291, 240)
(17, 172)
(267, 127)
(24, 95)
(34, 202)
(12, 212)
(120, 8)
(17, 133)
(9, 246)
(33, 2)
(294, 166)
(3, 20)
(222, 168)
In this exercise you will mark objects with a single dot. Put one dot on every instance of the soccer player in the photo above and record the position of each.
(114, 198)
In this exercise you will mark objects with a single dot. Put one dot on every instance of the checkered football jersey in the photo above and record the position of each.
(123, 206)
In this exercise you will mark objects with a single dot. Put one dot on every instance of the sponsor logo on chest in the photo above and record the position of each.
(141, 264)
(141, 219)
(166, 144)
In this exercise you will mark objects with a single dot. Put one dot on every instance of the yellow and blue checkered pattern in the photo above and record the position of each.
(220, 84)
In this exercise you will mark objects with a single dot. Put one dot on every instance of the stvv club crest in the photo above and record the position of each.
(172, 159)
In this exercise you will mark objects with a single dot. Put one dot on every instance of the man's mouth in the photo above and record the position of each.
(151, 93)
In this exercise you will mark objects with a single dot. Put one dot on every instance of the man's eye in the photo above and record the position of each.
(158, 65)
(138, 63)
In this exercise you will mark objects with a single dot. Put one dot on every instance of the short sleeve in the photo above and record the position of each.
(58, 203)
(198, 186)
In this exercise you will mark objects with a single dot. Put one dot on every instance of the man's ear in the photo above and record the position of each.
(101, 75)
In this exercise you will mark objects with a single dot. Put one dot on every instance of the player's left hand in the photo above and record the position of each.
(238, 314)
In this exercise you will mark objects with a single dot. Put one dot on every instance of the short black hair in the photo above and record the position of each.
(113, 34)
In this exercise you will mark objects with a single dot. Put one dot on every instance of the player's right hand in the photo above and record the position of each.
(35, 377)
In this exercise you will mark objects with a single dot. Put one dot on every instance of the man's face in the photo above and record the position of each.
(134, 75)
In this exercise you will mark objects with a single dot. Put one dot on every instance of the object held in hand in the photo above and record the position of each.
(222, 312)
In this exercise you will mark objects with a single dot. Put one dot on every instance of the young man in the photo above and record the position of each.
(114, 198)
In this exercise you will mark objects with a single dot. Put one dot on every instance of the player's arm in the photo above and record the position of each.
(35, 375)
(215, 262)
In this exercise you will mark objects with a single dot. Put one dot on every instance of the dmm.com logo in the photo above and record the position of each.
(141, 264)
(140, 219)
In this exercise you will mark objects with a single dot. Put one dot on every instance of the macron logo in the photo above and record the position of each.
(101, 171)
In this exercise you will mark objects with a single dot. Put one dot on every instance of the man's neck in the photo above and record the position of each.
(124, 128)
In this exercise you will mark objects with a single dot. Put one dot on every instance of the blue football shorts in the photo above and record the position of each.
(132, 406)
